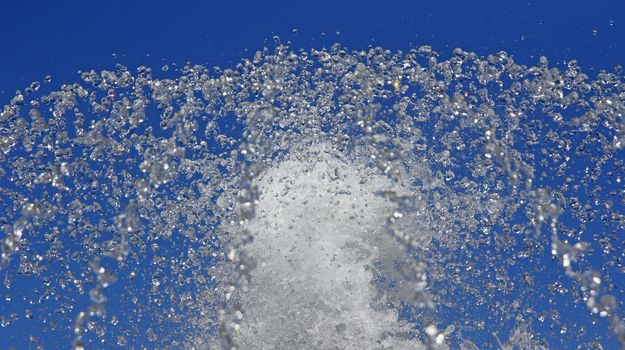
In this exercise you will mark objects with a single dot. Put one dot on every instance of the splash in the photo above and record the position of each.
(328, 199)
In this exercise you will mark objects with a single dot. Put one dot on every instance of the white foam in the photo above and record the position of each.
(318, 230)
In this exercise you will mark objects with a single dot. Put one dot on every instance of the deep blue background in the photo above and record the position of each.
(58, 38)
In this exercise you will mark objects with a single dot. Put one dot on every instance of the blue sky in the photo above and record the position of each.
(38, 38)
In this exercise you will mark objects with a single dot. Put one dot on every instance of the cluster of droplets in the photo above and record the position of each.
(122, 196)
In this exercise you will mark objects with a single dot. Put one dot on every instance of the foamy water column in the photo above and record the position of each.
(320, 227)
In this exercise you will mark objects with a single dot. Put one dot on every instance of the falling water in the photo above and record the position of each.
(328, 199)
